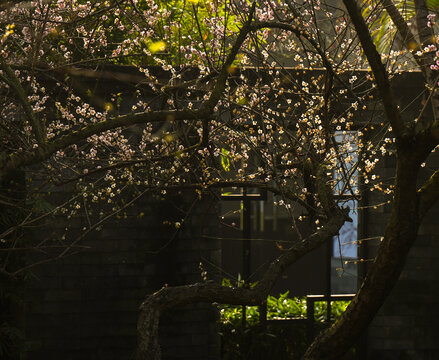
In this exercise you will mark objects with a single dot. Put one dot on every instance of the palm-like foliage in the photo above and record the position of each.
(382, 28)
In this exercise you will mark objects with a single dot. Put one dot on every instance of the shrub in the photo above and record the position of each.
(284, 337)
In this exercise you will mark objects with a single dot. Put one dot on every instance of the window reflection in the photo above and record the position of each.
(345, 245)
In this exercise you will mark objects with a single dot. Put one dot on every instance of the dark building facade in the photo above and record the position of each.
(86, 306)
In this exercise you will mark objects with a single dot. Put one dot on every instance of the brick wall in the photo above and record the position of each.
(86, 306)
(406, 326)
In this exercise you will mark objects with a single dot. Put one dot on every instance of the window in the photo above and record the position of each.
(344, 270)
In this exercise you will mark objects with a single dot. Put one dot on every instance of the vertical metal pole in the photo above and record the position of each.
(362, 253)
(263, 316)
(244, 316)
(246, 247)
(328, 280)
(310, 319)
(263, 307)
(261, 216)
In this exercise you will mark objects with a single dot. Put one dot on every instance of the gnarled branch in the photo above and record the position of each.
(47, 149)
(171, 297)
(11, 79)
(379, 72)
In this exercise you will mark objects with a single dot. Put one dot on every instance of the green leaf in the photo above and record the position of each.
(158, 46)
(382, 32)
(225, 162)
(226, 282)
(433, 3)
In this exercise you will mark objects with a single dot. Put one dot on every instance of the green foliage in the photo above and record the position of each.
(282, 307)
(179, 25)
(281, 339)
(382, 28)
(225, 162)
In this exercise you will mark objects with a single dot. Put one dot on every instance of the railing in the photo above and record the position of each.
(311, 300)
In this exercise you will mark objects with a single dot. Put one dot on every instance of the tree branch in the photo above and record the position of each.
(171, 297)
(45, 150)
(303, 33)
(299, 32)
(12, 80)
(426, 37)
(379, 72)
(407, 36)
(225, 70)
(129, 163)
(401, 232)
(424, 31)
(428, 194)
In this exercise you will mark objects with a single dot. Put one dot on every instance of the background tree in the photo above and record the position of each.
(224, 96)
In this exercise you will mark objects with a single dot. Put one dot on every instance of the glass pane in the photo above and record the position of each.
(345, 245)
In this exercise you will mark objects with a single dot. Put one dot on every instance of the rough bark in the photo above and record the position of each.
(409, 207)
(401, 232)
(379, 72)
(425, 34)
(171, 297)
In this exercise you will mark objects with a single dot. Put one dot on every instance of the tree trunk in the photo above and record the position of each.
(209, 291)
(401, 232)
(148, 325)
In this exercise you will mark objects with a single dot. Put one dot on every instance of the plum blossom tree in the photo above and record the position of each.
(226, 94)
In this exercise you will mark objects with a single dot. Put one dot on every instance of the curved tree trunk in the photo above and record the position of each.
(401, 232)
(170, 297)
(148, 325)
(409, 207)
